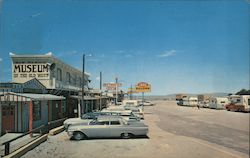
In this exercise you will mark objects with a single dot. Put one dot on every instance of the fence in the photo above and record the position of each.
(40, 131)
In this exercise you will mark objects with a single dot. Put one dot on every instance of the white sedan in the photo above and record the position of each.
(106, 127)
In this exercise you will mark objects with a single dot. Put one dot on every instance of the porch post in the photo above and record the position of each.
(21, 114)
(61, 109)
(17, 123)
(48, 111)
(31, 117)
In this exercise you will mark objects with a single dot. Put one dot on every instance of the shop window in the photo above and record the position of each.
(64, 108)
(74, 80)
(36, 110)
(80, 81)
(59, 74)
(68, 78)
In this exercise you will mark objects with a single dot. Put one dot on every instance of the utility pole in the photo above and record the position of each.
(116, 91)
(83, 83)
(101, 90)
(1, 73)
(131, 91)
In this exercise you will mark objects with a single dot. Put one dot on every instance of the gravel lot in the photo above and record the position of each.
(174, 131)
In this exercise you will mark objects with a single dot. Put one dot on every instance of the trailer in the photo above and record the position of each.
(239, 103)
(179, 97)
(190, 101)
(218, 102)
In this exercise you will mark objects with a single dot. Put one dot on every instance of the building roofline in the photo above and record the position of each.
(48, 55)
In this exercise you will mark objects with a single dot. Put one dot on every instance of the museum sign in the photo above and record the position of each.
(39, 71)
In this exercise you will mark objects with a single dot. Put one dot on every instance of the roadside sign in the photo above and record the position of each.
(111, 86)
(143, 87)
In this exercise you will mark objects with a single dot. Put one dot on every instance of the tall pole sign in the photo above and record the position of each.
(113, 87)
(116, 90)
(101, 90)
(143, 87)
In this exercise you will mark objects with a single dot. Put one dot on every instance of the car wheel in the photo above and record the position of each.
(78, 135)
(126, 135)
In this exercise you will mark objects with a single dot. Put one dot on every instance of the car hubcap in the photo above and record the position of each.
(78, 136)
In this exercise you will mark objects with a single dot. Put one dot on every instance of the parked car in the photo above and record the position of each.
(106, 127)
(148, 103)
(138, 111)
(126, 114)
(85, 119)
(131, 102)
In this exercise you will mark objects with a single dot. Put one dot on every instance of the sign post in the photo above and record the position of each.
(143, 87)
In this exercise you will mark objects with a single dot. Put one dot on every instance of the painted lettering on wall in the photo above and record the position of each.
(39, 71)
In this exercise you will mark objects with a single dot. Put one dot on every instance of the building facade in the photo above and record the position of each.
(50, 71)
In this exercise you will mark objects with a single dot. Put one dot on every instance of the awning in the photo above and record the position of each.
(85, 97)
(19, 96)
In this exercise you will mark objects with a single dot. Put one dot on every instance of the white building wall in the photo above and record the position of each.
(45, 69)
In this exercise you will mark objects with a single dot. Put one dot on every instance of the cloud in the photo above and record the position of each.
(36, 15)
(166, 54)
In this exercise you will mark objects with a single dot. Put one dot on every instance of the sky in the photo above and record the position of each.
(177, 46)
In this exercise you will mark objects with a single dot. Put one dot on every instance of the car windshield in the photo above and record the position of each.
(90, 115)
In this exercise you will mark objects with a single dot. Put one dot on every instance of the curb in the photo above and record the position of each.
(19, 152)
(56, 130)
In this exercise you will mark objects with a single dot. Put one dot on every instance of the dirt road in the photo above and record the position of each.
(174, 132)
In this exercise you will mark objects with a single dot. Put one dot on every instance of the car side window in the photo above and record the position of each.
(103, 123)
(115, 123)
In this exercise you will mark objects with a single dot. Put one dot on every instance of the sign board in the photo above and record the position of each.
(112, 86)
(32, 70)
(143, 87)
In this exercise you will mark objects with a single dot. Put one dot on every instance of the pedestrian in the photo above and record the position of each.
(198, 107)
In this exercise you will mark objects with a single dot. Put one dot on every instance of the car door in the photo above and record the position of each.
(99, 130)
(116, 128)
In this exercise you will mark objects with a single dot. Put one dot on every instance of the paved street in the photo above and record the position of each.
(174, 131)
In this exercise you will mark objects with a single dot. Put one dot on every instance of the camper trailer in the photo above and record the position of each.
(239, 103)
(190, 101)
(218, 102)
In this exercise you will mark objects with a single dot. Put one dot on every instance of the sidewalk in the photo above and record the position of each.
(17, 143)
